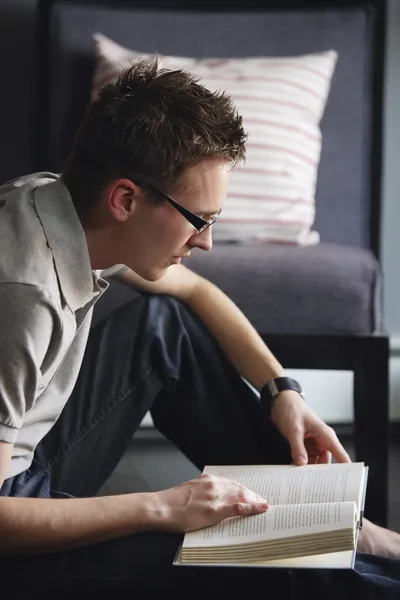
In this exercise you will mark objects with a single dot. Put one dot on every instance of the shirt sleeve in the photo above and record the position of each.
(28, 319)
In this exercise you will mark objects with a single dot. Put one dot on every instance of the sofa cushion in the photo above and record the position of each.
(325, 289)
(329, 288)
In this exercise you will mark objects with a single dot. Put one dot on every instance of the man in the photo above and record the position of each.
(145, 181)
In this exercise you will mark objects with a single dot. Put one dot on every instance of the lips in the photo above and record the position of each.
(180, 257)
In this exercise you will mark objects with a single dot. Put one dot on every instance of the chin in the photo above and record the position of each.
(152, 274)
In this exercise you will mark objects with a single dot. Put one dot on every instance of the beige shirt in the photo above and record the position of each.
(47, 293)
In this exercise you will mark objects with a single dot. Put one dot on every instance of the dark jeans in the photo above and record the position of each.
(154, 354)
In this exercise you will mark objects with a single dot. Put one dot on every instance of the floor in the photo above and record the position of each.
(153, 463)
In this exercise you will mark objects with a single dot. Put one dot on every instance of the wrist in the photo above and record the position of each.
(277, 386)
(157, 512)
(144, 513)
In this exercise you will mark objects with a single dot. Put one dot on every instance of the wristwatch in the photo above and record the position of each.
(274, 387)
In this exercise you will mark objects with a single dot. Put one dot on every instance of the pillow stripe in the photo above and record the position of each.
(283, 126)
(243, 102)
(276, 80)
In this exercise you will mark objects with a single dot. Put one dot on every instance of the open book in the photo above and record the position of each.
(313, 520)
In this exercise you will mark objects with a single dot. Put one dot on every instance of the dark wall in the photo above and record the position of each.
(17, 96)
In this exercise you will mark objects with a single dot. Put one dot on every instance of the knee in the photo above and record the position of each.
(162, 306)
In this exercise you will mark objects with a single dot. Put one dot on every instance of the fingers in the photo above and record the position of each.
(242, 509)
(228, 493)
(238, 500)
(341, 455)
(244, 501)
(247, 497)
(313, 458)
(325, 446)
(338, 452)
(298, 450)
(319, 458)
(325, 458)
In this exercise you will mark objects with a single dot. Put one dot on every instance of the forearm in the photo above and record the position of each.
(234, 333)
(30, 525)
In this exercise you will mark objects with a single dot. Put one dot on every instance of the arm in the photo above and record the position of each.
(232, 330)
(309, 437)
(29, 525)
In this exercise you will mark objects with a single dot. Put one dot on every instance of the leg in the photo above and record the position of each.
(208, 411)
(154, 353)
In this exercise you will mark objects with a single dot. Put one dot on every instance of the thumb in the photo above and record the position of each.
(298, 450)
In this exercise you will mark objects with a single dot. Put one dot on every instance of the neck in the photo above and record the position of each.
(100, 243)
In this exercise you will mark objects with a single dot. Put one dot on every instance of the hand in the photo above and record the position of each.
(203, 502)
(311, 440)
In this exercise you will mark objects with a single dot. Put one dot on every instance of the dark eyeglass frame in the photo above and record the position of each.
(198, 223)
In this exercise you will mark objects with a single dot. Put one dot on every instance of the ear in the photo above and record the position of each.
(122, 196)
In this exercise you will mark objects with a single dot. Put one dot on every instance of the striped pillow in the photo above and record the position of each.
(271, 198)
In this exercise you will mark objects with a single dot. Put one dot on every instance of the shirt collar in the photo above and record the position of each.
(67, 241)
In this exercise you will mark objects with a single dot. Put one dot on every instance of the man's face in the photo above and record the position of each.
(155, 237)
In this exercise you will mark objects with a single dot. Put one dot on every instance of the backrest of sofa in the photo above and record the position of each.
(348, 189)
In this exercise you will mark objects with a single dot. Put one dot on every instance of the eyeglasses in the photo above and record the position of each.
(198, 223)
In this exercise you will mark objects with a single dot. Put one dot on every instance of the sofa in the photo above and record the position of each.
(316, 306)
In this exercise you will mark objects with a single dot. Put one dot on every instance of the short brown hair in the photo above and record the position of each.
(152, 124)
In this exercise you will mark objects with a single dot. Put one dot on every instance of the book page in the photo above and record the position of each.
(333, 560)
(290, 484)
(277, 523)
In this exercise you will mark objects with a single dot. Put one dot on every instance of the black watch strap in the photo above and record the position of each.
(275, 386)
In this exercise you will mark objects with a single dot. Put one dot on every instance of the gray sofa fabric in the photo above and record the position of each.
(328, 288)
(325, 289)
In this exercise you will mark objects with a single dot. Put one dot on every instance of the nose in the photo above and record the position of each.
(202, 240)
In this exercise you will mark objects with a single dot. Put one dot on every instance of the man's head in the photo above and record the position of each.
(150, 134)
